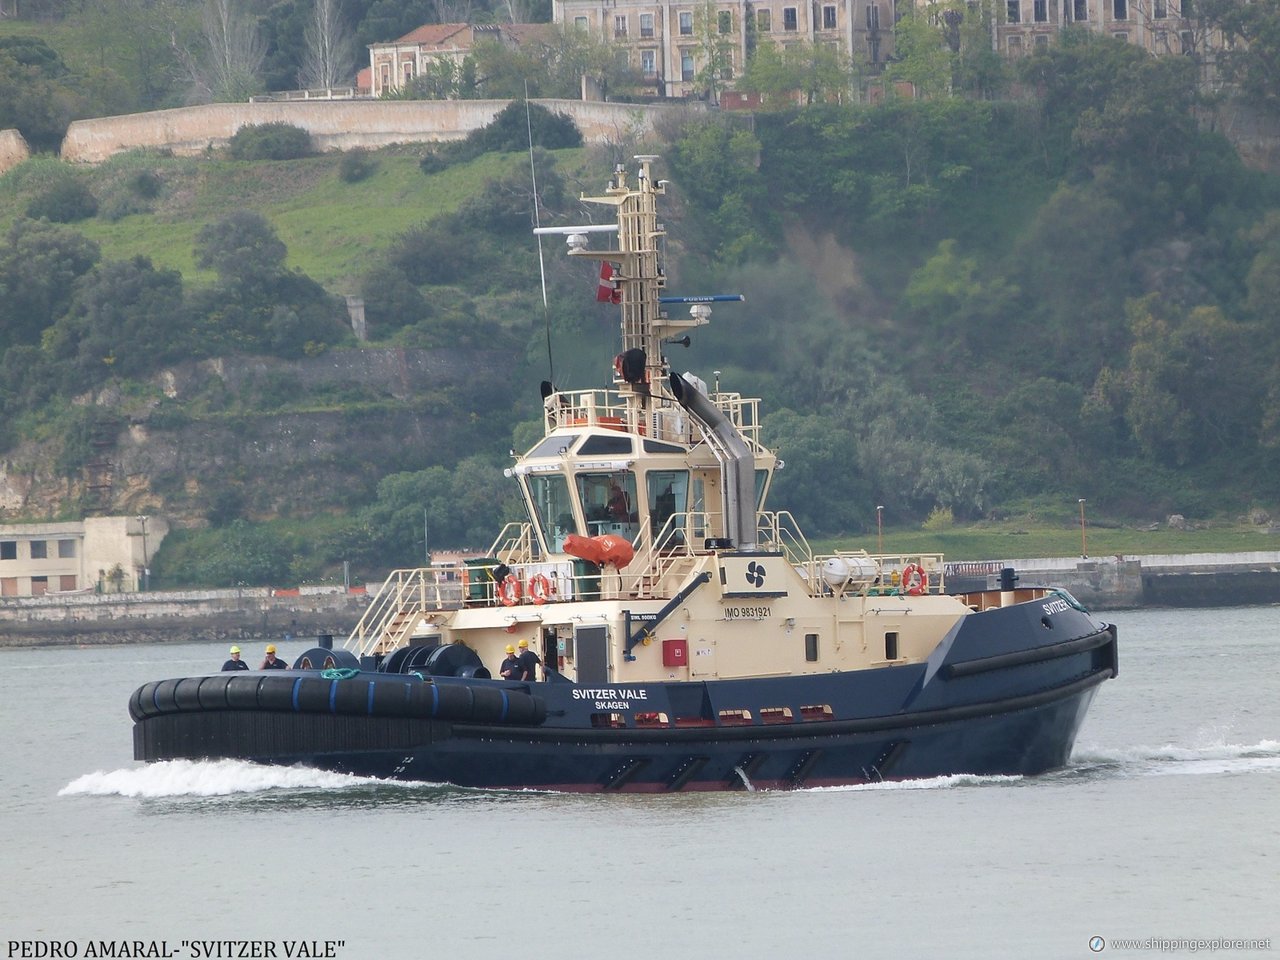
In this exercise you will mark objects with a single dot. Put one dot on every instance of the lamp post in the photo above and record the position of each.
(146, 570)
(880, 530)
(1084, 549)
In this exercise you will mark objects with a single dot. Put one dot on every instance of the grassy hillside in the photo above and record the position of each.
(335, 231)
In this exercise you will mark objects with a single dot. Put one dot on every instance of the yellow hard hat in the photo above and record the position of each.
(271, 648)
(510, 648)
(524, 643)
(235, 649)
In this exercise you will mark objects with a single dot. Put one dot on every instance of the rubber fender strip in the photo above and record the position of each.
(333, 696)
(297, 685)
(506, 705)
(435, 700)
(370, 706)
(1020, 658)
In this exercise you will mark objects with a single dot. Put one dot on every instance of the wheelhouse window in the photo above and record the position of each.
(668, 495)
(609, 502)
(552, 508)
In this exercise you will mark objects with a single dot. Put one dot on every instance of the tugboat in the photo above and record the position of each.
(684, 636)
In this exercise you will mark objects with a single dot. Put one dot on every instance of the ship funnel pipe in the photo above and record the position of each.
(737, 461)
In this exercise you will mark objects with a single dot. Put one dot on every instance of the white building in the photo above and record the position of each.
(106, 554)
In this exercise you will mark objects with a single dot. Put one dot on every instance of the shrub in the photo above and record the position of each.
(64, 202)
(145, 184)
(940, 518)
(356, 165)
(270, 141)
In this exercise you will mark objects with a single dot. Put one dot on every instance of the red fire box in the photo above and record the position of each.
(675, 653)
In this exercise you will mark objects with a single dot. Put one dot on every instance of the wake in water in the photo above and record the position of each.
(207, 778)
(1174, 760)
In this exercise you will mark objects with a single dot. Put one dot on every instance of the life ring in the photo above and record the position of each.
(914, 580)
(509, 590)
(539, 588)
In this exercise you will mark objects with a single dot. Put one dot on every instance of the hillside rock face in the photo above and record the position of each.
(260, 437)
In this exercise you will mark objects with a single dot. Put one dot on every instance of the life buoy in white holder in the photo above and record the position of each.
(509, 590)
(915, 581)
(540, 589)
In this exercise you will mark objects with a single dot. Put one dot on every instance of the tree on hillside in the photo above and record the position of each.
(819, 73)
(330, 50)
(921, 56)
(231, 68)
(39, 263)
(38, 95)
(1251, 59)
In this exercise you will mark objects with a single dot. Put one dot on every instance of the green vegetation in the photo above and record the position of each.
(957, 309)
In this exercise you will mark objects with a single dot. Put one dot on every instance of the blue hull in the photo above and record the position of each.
(986, 702)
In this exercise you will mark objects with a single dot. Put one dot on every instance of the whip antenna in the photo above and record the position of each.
(537, 223)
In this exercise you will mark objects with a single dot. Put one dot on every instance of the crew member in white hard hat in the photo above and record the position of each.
(528, 662)
(510, 669)
(272, 662)
(235, 663)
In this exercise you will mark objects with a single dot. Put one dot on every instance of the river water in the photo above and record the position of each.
(1164, 826)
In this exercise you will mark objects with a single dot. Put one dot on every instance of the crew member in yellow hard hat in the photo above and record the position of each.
(511, 666)
(235, 663)
(528, 662)
(272, 662)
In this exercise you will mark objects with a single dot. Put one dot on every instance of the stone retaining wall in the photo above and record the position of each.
(339, 124)
(13, 150)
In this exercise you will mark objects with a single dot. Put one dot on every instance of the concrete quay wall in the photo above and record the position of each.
(250, 614)
(337, 124)
(1159, 580)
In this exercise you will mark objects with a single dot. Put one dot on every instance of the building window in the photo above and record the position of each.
(646, 25)
(1121, 35)
(873, 17)
(686, 23)
(873, 49)
(8, 549)
(39, 586)
(764, 21)
(580, 23)
(1160, 9)
(1120, 10)
(67, 582)
(408, 72)
(1042, 40)
(789, 18)
(724, 21)
(1013, 11)
(66, 549)
(726, 72)
(648, 62)
(829, 17)
(39, 550)
(1015, 46)
(1040, 10)
(8, 586)
(686, 65)
(1081, 11)
(1188, 43)
(620, 27)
